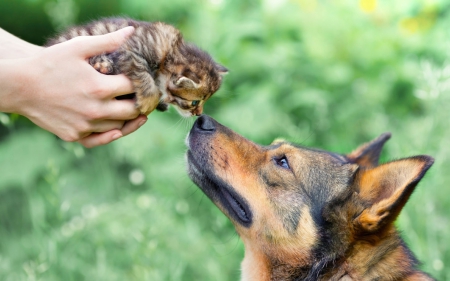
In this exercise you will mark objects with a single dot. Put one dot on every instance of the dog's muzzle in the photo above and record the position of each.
(200, 142)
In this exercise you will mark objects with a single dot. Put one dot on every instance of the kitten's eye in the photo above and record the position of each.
(282, 162)
(195, 103)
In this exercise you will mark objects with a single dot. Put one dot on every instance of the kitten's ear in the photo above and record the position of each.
(186, 83)
(222, 70)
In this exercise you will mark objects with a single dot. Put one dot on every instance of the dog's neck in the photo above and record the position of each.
(256, 265)
(368, 260)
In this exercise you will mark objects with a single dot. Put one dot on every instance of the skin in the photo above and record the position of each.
(59, 91)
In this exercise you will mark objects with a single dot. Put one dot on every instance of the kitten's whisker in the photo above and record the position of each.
(188, 123)
(176, 125)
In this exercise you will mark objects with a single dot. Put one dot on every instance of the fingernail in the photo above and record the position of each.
(116, 136)
(142, 122)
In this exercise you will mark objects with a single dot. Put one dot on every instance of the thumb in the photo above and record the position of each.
(107, 43)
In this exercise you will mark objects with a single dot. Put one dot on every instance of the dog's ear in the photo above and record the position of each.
(368, 154)
(386, 188)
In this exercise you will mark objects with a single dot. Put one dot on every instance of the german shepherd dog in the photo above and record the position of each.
(308, 214)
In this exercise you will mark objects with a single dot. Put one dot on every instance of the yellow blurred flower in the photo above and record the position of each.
(307, 5)
(368, 6)
(411, 25)
(423, 21)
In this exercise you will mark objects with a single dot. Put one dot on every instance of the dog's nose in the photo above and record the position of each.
(205, 123)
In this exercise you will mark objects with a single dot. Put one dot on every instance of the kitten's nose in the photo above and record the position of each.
(205, 123)
(197, 111)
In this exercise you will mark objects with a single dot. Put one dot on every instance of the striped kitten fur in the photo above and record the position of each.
(163, 67)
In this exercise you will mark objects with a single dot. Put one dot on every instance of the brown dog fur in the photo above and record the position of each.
(308, 214)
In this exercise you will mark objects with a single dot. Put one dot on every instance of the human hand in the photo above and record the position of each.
(60, 91)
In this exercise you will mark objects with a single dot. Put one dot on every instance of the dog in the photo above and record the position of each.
(308, 214)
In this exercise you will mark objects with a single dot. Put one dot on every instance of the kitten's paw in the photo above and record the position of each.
(147, 104)
(103, 67)
(102, 64)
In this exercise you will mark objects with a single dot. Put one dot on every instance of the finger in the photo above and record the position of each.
(120, 110)
(90, 46)
(98, 139)
(106, 125)
(117, 85)
(133, 125)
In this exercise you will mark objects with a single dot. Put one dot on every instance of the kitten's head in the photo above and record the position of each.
(191, 78)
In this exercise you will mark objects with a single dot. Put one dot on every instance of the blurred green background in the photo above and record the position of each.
(329, 74)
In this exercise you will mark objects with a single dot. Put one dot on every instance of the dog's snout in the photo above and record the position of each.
(205, 123)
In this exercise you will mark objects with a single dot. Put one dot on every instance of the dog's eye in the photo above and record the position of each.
(282, 162)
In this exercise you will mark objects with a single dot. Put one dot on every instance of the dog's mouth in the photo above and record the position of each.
(220, 192)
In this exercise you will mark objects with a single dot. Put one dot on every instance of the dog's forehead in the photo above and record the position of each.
(319, 174)
(298, 197)
(324, 155)
(307, 151)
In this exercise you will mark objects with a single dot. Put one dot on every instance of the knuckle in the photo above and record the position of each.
(77, 42)
(93, 114)
(98, 89)
(86, 144)
(94, 140)
(82, 128)
(71, 136)
(134, 114)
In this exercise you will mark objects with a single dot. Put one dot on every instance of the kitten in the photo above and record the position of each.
(163, 67)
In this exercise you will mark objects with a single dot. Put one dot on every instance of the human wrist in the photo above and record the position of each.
(12, 47)
(17, 78)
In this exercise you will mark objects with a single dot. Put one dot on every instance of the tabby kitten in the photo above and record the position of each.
(163, 67)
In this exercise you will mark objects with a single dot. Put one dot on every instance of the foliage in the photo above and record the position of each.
(327, 74)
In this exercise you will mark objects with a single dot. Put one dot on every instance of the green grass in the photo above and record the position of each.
(323, 74)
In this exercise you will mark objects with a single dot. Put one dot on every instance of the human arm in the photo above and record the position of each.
(58, 90)
(12, 47)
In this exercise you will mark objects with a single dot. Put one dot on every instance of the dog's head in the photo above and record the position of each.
(300, 205)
